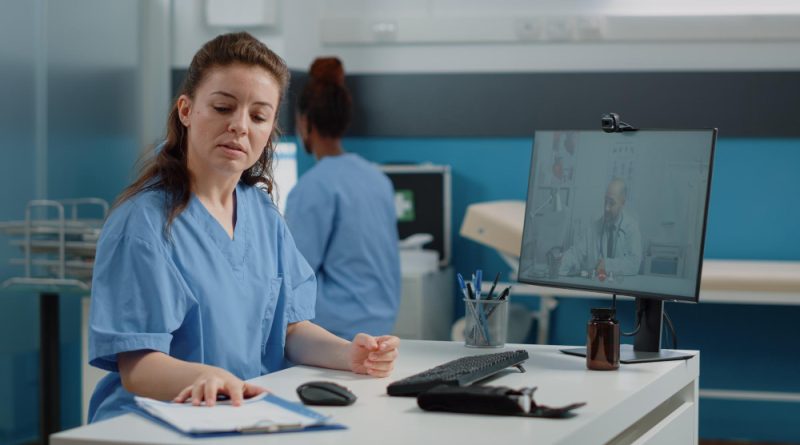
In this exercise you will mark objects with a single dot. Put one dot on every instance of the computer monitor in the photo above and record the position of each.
(422, 200)
(621, 213)
(284, 172)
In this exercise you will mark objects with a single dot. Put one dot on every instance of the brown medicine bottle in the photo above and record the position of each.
(602, 340)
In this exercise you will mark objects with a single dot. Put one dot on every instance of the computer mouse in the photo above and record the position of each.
(325, 393)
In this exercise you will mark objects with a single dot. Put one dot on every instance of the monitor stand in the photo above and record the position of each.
(647, 342)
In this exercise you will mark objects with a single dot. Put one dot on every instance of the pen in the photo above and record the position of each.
(505, 293)
(461, 285)
(478, 323)
(480, 314)
(473, 281)
(491, 291)
(466, 289)
(478, 280)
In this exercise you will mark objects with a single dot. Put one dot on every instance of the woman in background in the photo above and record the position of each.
(197, 283)
(342, 215)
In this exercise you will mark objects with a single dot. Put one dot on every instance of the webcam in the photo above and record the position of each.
(611, 123)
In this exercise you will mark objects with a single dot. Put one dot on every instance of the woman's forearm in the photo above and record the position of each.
(309, 344)
(156, 375)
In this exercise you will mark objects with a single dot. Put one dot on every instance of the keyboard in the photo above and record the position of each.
(460, 372)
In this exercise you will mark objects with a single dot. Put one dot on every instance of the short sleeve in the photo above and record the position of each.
(138, 300)
(300, 284)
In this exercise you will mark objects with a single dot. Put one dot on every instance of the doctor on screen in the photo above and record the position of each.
(613, 243)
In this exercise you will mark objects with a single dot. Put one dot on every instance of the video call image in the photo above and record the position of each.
(621, 211)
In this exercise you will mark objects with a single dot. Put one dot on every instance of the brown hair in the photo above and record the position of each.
(167, 169)
(325, 100)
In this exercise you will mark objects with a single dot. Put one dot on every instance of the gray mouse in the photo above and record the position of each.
(325, 393)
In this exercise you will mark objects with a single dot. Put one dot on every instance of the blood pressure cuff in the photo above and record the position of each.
(496, 400)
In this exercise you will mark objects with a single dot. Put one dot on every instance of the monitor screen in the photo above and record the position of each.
(621, 213)
(284, 172)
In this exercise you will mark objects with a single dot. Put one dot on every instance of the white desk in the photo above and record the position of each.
(722, 281)
(652, 403)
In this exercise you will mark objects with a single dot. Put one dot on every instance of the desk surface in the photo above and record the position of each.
(615, 401)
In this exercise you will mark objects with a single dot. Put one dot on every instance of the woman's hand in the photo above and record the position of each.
(218, 381)
(374, 356)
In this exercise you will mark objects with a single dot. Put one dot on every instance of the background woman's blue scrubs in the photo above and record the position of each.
(342, 215)
(198, 296)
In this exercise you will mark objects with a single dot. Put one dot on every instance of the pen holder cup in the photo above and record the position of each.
(486, 323)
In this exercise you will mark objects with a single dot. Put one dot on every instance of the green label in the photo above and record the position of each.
(404, 205)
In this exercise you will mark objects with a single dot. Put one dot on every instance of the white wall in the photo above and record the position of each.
(190, 31)
(517, 35)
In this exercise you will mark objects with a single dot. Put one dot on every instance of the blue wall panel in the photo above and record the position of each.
(755, 207)
(482, 170)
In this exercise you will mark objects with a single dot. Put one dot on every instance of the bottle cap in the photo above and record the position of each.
(603, 313)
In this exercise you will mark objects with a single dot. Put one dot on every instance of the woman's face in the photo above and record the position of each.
(230, 119)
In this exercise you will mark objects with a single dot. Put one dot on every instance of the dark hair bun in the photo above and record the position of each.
(325, 100)
(327, 70)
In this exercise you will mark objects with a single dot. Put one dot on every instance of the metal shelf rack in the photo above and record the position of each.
(58, 257)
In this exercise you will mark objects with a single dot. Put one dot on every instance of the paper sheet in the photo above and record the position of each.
(255, 414)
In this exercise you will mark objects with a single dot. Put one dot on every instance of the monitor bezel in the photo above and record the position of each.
(626, 292)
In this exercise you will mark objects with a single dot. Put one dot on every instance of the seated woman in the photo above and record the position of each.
(198, 285)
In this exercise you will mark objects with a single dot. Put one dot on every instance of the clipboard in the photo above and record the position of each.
(265, 414)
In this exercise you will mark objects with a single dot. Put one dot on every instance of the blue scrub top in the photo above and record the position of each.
(198, 296)
(342, 215)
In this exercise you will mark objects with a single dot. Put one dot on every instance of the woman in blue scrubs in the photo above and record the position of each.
(198, 285)
(342, 215)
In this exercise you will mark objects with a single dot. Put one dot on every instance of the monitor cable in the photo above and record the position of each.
(639, 312)
(671, 330)
(638, 317)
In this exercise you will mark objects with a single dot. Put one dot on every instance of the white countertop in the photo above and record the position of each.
(614, 401)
